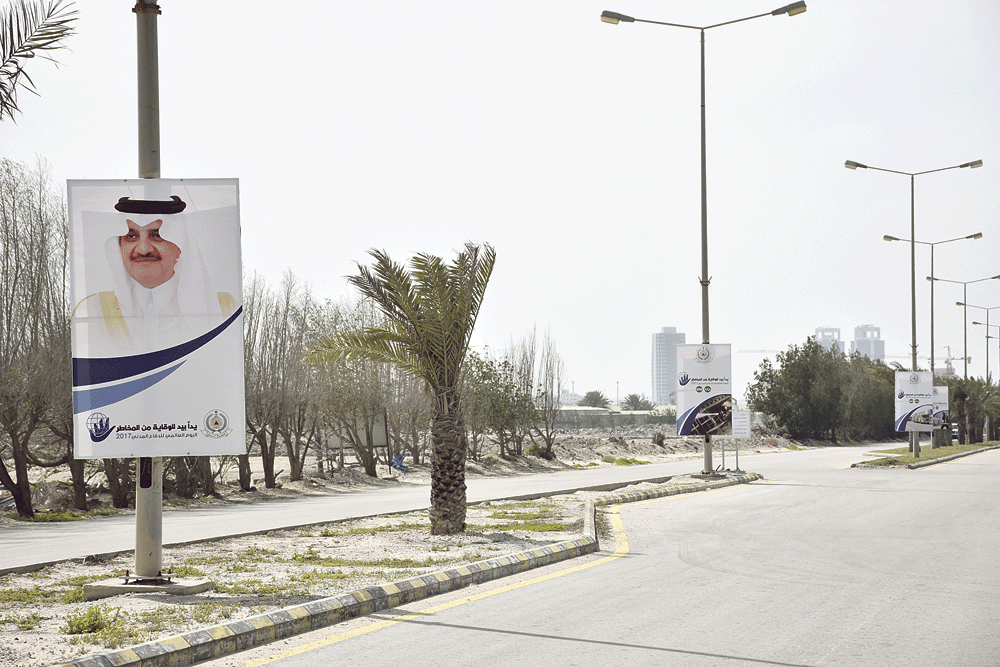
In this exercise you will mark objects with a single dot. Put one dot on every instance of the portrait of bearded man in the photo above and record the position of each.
(162, 291)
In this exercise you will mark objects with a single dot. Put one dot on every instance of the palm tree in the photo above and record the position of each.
(637, 402)
(594, 399)
(430, 311)
(28, 30)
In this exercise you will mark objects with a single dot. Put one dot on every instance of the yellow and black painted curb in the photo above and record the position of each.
(677, 489)
(228, 638)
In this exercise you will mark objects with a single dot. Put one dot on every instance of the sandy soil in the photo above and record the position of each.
(265, 572)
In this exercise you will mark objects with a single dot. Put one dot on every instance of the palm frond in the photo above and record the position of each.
(29, 30)
(430, 310)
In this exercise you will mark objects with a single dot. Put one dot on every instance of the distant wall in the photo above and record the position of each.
(581, 417)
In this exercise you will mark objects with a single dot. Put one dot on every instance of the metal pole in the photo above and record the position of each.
(704, 207)
(704, 240)
(987, 348)
(937, 435)
(965, 328)
(149, 471)
(932, 313)
(149, 89)
(914, 436)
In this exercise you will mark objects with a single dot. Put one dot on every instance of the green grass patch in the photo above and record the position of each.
(209, 613)
(589, 464)
(46, 516)
(24, 622)
(246, 558)
(185, 571)
(43, 516)
(528, 526)
(257, 587)
(33, 595)
(373, 530)
(902, 455)
(311, 577)
(541, 517)
(312, 557)
(623, 462)
(113, 628)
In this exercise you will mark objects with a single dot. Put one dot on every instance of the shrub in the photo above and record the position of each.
(539, 452)
(94, 619)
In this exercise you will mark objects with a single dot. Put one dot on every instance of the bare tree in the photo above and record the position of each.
(355, 392)
(548, 396)
(409, 414)
(262, 404)
(521, 356)
(299, 419)
(33, 320)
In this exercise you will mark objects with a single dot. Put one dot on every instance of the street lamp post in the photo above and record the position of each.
(965, 327)
(851, 164)
(985, 324)
(965, 311)
(977, 235)
(615, 18)
(990, 436)
(989, 427)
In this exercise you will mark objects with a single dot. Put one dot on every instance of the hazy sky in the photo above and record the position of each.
(572, 146)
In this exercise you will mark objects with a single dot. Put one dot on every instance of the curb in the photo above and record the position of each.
(221, 640)
(950, 457)
(677, 489)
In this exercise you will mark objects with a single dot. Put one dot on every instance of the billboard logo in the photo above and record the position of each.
(914, 378)
(99, 426)
(216, 424)
(683, 379)
(901, 394)
(704, 354)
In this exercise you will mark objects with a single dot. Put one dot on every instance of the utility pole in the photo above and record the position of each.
(149, 471)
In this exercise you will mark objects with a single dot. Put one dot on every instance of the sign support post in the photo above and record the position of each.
(149, 470)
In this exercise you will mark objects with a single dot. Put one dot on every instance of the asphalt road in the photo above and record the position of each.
(817, 565)
(29, 544)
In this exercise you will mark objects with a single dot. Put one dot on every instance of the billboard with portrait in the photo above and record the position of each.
(157, 322)
(914, 401)
(704, 390)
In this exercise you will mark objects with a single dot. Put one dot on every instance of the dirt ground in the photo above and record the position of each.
(264, 572)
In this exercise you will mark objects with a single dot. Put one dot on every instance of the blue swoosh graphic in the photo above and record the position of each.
(98, 371)
(85, 400)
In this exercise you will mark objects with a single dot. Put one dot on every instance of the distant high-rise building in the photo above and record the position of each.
(829, 337)
(868, 341)
(665, 365)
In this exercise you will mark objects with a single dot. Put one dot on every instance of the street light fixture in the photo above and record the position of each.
(965, 310)
(851, 164)
(977, 235)
(614, 18)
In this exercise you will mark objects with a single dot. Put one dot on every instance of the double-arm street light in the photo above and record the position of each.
(615, 18)
(977, 235)
(984, 324)
(988, 336)
(851, 164)
(965, 310)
